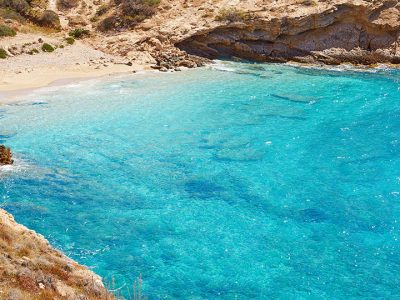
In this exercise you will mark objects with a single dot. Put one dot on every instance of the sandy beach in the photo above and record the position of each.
(21, 73)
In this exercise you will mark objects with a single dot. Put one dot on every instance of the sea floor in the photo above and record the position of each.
(235, 181)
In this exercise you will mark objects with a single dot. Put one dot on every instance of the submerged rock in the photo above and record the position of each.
(5, 156)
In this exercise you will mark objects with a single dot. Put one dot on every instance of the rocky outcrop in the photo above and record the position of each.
(31, 269)
(5, 156)
(171, 58)
(178, 32)
(328, 31)
(356, 32)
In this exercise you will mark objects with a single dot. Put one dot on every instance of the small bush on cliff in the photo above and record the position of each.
(232, 15)
(3, 53)
(20, 6)
(6, 31)
(47, 48)
(33, 51)
(108, 24)
(139, 9)
(49, 19)
(102, 10)
(79, 33)
(8, 13)
(67, 4)
(70, 40)
(129, 14)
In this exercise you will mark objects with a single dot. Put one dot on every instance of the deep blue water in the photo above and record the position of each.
(243, 182)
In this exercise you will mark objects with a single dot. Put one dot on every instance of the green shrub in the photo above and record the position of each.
(20, 6)
(232, 15)
(129, 13)
(33, 51)
(8, 13)
(137, 9)
(47, 48)
(50, 19)
(79, 33)
(108, 24)
(3, 53)
(61, 46)
(70, 40)
(6, 31)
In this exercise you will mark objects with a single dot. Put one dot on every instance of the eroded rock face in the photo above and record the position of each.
(364, 33)
(5, 156)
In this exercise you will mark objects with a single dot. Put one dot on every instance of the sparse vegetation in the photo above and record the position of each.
(310, 2)
(3, 53)
(31, 269)
(67, 4)
(8, 13)
(33, 51)
(102, 10)
(49, 19)
(129, 13)
(47, 48)
(32, 10)
(232, 15)
(70, 40)
(79, 33)
(108, 23)
(6, 31)
(20, 6)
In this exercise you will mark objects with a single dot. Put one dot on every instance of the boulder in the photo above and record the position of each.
(5, 156)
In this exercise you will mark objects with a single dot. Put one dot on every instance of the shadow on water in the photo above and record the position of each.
(297, 98)
(283, 117)
(202, 188)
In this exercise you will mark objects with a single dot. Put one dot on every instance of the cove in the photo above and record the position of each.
(235, 181)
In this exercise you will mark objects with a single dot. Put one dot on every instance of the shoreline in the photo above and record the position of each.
(24, 83)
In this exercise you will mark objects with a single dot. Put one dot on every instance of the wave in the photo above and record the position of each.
(19, 166)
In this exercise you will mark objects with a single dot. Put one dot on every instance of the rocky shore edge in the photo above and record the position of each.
(30, 268)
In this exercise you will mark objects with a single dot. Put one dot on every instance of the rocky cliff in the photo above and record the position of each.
(360, 32)
(172, 33)
(31, 269)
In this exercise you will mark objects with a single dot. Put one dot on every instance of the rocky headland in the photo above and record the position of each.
(31, 269)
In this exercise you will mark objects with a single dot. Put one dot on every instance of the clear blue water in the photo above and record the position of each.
(242, 182)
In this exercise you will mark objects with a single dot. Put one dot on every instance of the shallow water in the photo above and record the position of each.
(240, 181)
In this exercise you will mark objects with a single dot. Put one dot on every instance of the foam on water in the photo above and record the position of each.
(235, 181)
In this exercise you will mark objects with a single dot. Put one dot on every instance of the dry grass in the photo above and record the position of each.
(232, 15)
(128, 14)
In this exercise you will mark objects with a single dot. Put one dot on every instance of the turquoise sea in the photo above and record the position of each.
(236, 181)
